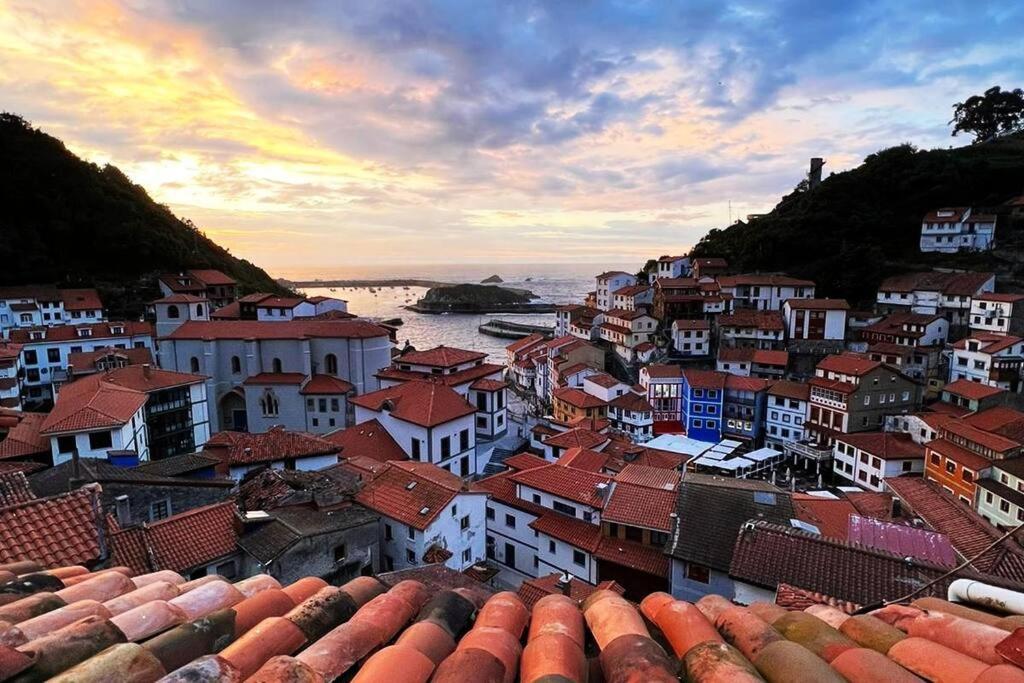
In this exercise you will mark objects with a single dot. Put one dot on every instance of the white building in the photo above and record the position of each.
(93, 418)
(424, 508)
(947, 294)
(252, 363)
(956, 229)
(786, 412)
(431, 422)
(815, 319)
(748, 362)
(45, 350)
(172, 311)
(604, 386)
(673, 267)
(691, 338)
(10, 375)
(869, 458)
(633, 298)
(999, 498)
(608, 283)
(273, 308)
(511, 541)
(627, 330)
(764, 292)
(214, 285)
(45, 305)
(632, 415)
(998, 313)
(992, 359)
(751, 328)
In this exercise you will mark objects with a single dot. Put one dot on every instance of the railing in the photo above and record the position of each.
(809, 451)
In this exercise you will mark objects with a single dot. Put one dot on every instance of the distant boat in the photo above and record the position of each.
(372, 290)
(333, 289)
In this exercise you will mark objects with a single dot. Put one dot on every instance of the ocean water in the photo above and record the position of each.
(554, 283)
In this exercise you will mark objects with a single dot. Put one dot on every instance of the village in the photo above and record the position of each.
(687, 431)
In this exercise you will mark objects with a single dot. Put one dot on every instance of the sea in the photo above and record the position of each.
(553, 283)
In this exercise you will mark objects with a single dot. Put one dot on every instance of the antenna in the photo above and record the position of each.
(730, 212)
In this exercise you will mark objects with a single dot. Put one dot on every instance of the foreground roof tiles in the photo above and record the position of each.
(55, 531)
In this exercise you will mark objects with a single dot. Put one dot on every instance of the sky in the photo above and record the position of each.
(316, 135)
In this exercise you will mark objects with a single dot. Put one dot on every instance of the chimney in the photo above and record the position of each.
(146, 371)
(814, 176)
(564, 583)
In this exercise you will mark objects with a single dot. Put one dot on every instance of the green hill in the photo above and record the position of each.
(864, 224)
(71, 222)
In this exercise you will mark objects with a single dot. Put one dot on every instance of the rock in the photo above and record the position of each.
(494, 279)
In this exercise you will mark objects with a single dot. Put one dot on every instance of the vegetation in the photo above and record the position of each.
(72, 222)
(996, 112)
(864, 224)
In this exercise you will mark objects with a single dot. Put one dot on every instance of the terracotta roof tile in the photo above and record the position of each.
(971, 390)
(749, 318)
(326, 384)
(583, 459)
(426, 404)
(84, 362)
(14, 489)
(819, 304)
(96, 331)
(282, 329)
(92, 403)
(368, 439)
(244, 448)
(23, 439)
(441, 357)
(649, 477)
(524, 461)
(179, 542)
(55, 531)
(575, 532)
(532, 590)
(641, 506)
(642, 558)
(569, 483)
(885, 445)
(960, 284)
(787, 389)
(848, 364)
(577, 397)
(413, 493)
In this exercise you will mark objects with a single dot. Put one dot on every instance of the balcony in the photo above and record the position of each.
(808, 450)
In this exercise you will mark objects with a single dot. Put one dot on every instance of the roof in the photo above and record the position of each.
(59, 530)
(903, 540)
(524, 461)
(210, 277)
(266, 488)
(488, 385)
(972, 391)
(634, 555)
(22, 335)
(631, 290)
(426, 404)
(368, 439)
(1000, 297)
(179, 542)
(83, 361)
(818, 304)
(575, 532)
(1001, 420)
(583, 459)
(24, 438)
(288, 526)
(848, 364)
(181, 298)
(61, 478)
(787, 389)
(565, 482)
(326, 384)
(603, 379)
(884, 445)
(705, 379)
(737, 383)
(578, 590)
(14, 489)
(577, 397)
(576, 438)
(413, 493)
(648, 476)
(711, 510)
(746, 317)
(641, 506)
(988, 342)
(688, 324)
(612, 273)
(147, 378)
(178, 465)
(764, 280)
(955, 215)
(631, 401)
(830, 515)
(525, 343)
(441, 357)
(758, 356)
(664, 371)
(92, 403)
(244, 448)
(951, 284)
(81, 299)
(969, 533)
(278, 329)
(282, 378)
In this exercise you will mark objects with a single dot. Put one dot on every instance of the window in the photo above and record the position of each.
(1004, 506)
(194, 364)
(323, 405)
(951, 467)
(563, 508)
(276, 365)
(536, 498)
(410, 557)
(30, 357)
(464, 440)
(490, 512)
(464, 523)
(335, 405)
(236, 365)
(53, 355)
(698, 573)
(551, 546)
(415, 448)
(339, 553)
(411, 533)
(389, 534)
(65, 444)
(446, 446)
(160, 509)
(467, 556)
(172, 312)
(936, 459)
(199, 310)
(331, 364)
(269, 404)
(98, 440)
(579, 558)
(510, 521)
(907, 465)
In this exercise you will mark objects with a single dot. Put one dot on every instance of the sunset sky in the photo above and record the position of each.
(322, 134)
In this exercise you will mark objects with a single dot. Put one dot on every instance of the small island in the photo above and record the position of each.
(492, 280)
(469, 298)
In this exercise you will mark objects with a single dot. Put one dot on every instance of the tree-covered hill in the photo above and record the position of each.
(67, 221)
(861, 225)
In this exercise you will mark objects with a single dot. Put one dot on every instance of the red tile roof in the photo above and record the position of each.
(23, 438)
(326, 384)
(968, 532)
(55, 531)
(451, 379)
(85, 361)
(368, 439)
(578, 590)
(274, 329)
(488, 385)
(631, 290)
(210, 277)
(972, 391)
(989, 342)
(636, 556)
(92, 403)
(1001, 297)
(830, 515)
(70, 332)
(577, 397)
(705, 379)
(664, 371)
(576, 438)
(631, 401)
(787, 389)
(848, 364)
(575, 532)
(180, 542)
(737, 383)
(763, 280)
(282, 378)
(147, 379)
(687, 324)
(885, 445)
(746, 318)
(819, 304)
(525, 343)
(524, 461)
(958, 284)
(426, 404)
(958, 454)
(181, 298)
(244, 448)
(413, 493)
(583, 459)
(441, 357)
(568, 483)
(14, 489)
(1000, 420)
(647, 476)
(640, 506)
(81, 299)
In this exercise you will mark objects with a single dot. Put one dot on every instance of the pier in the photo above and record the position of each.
(510, 330)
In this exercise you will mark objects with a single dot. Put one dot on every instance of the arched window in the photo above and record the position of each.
(172, 312)
(199, 310)
(268, 404)
(276, 365)
(236, 364)
(195, 364)
(331, 364)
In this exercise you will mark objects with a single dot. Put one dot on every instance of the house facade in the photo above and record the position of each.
(947, 294)
(609, 282)
(869, 458)
(46, 306)
(751, 328)
(998, 313)
(787, 408)
(691, 338)
(950, 230)
(815, 319)
(702, 404)
(764, 292)
(995, 360)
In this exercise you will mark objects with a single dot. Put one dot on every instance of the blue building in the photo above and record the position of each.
(746, 399)
(703, 396)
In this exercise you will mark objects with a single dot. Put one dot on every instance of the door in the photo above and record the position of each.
(238, 421)
(510, 555)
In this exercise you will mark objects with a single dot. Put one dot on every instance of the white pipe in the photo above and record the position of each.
(982, 594)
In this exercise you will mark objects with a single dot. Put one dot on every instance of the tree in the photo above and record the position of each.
(997, 112)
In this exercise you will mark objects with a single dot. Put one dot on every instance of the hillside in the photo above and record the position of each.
(861, 225)
(68, 221)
